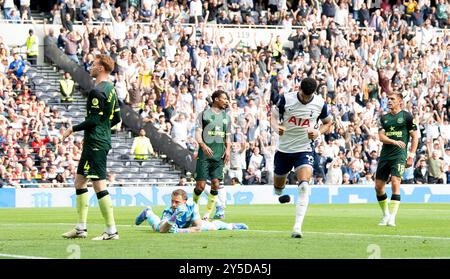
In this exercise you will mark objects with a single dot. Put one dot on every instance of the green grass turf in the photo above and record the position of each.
(331, 231)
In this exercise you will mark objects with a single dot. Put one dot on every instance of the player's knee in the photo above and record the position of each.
(395, 180)
(379, 184)
(200, 187)
(215, 184)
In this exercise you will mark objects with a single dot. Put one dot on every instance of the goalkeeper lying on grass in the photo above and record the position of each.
(183, 217)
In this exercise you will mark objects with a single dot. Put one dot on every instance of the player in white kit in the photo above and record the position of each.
(299, 113)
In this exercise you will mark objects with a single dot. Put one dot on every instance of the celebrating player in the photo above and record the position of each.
(213, 137)
(183, 217)
(299, 113)
(102, 113)
(395, 128)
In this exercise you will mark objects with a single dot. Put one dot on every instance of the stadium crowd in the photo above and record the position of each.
(31, 150)
(358, 53)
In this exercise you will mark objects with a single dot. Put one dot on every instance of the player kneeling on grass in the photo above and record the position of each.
(183, 216)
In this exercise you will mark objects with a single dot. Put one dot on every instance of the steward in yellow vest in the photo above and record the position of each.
(142, 147)
(32, 46)
(66, 87)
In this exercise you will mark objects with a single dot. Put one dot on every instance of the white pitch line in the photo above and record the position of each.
(51, 224)
(264, 231)
(24, 257)
(363, 234)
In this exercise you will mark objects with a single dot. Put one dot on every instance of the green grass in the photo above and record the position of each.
(331, 231)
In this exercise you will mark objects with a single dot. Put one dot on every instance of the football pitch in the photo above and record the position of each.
(330, 231)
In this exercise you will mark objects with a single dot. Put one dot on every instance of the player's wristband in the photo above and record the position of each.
(411, 154)
(183, 231)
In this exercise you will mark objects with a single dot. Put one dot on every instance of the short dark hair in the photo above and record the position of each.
(236, 180)
(180, 192)
(308, 86)
(217, 94)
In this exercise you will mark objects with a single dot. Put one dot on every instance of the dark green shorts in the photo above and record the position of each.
(93, 164)
(209, 169)
(391, 167)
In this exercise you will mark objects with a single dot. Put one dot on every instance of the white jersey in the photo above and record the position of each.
(297, 119)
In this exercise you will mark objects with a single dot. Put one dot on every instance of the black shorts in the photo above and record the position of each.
(93, 164)
(391, 167)
(209, 169)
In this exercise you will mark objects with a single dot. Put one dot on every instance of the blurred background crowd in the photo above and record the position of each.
(171, 55)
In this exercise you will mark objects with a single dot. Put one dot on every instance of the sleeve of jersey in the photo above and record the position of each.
(116, 115)
(95, 106)
(410, 122)
(324, 114)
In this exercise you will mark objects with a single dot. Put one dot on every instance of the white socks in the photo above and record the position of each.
(221, 198)
(302, 206)
(81, 226)
(111, 229)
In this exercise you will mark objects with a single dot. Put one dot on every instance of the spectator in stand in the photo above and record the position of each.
(421, 172)
(355, 68)
(235, 181)
(18, 67)
(71, 43)
(237, 162)
(408, 175)
(66, 87)
(334, 174)
(142, 147)
(435, 166)
(38, 142)
(32, 47)
(179, 131)
(251, 177)
(182, 181)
